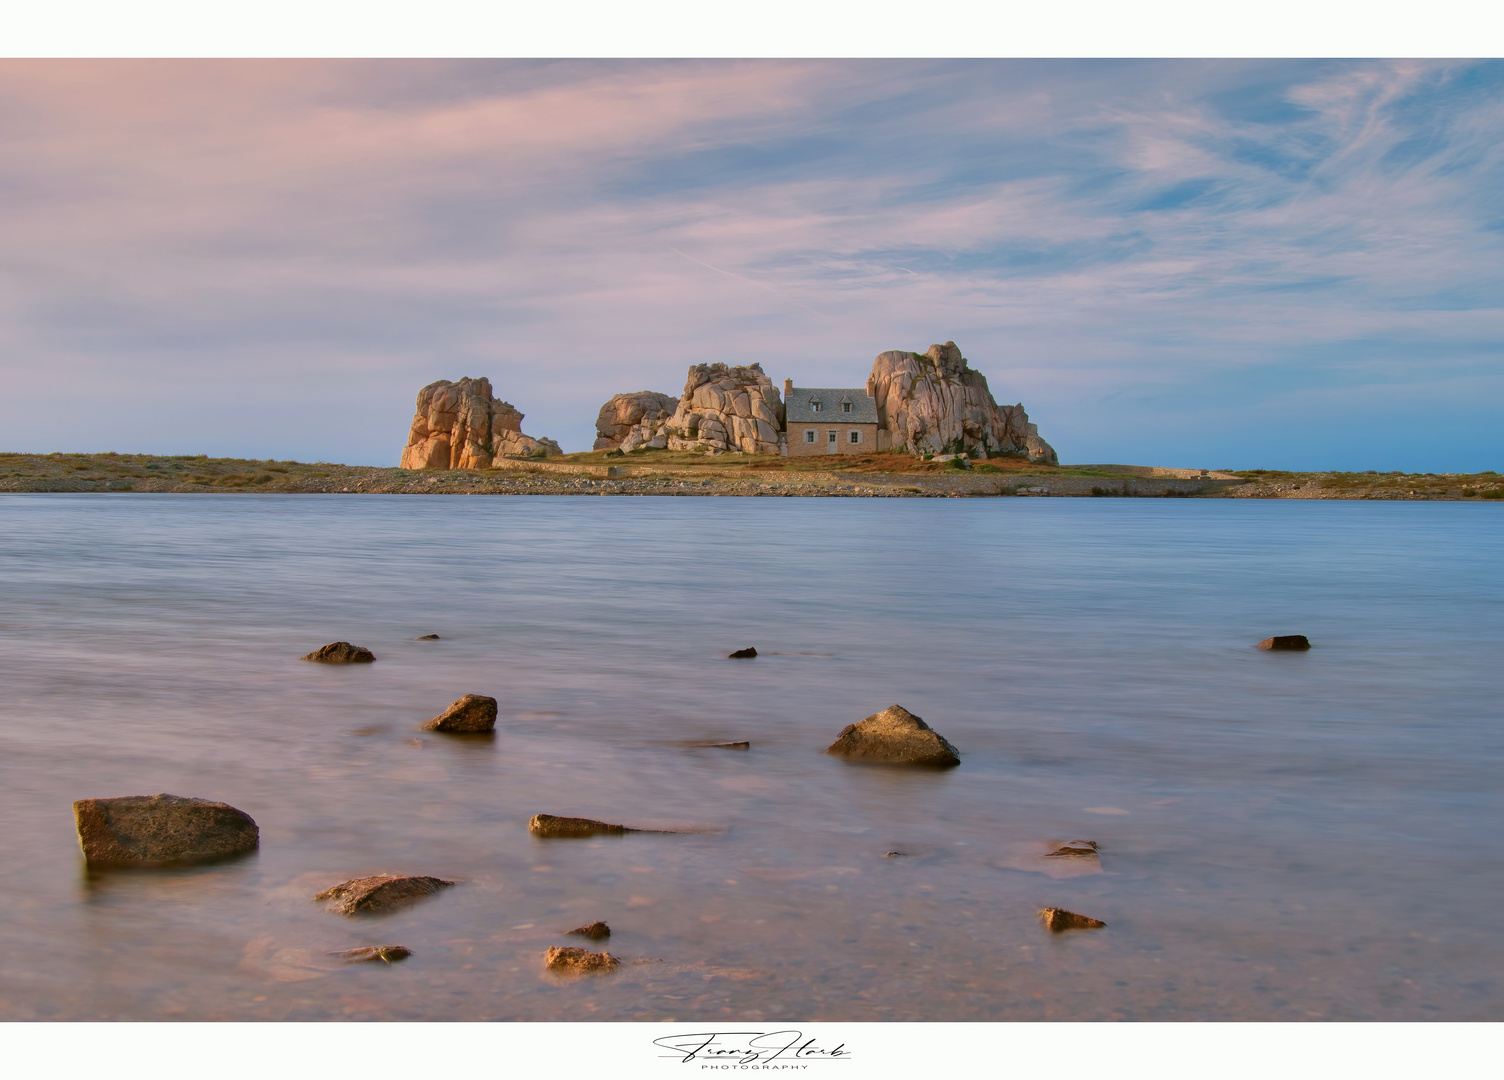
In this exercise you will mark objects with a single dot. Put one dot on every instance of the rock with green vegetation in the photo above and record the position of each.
(895, 736)
(148, 830)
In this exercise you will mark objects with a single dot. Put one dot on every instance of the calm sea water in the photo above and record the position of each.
(1283, 836)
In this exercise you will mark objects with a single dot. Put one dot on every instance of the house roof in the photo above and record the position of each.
(798, 405)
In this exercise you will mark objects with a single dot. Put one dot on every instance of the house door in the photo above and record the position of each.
(832, 443)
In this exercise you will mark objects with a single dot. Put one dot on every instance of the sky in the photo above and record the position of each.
(1194, 263)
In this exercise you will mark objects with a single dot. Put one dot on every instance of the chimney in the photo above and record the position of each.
(788, 390)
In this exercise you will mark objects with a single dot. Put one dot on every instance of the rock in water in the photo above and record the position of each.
(341, 652)
(1075, 849)
(726, 408)
(369, 953)
(576, 961)
(1058, 919)
(473, 714)
(143, 830)
(630, 421)
(933, 403)
(743, 654)
(384, 892)
(427, 637)
(894, 735)
(594, 931)
(1288, 642)
(462, 425)
(548, 825)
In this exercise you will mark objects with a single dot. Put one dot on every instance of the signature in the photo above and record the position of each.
(748, 1047)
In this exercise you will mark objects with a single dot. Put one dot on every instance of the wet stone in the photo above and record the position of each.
(1075, 849)
(595, 931)
(341, 652)
(1285, 643)
(145, 830)
(575, 961)
(1058, 919)
(743, 654)
(896, 736)
(427, 637)
(384, 892)
(473, 714)
(373, 953)
(548, 825)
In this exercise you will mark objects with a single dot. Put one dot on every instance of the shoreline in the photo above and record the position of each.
(735, 476)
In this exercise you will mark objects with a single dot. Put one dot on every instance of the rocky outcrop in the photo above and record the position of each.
(933, 403)
(473, 714)
(897, 736)
(571, 960)
(384, 892)
(549, 825)
(726, 408)
(462, 425)
(1058, 919)
(630, 421)
(145, 830)
(1285, 643)
(341, 652)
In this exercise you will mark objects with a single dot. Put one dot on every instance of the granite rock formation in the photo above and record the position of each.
(384, 892)
(145, 830)
(727, 408)
(462, 425)
(630, 421)
(897, 736)
(933, 403)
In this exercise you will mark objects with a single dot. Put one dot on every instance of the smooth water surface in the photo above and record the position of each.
(1283, 836)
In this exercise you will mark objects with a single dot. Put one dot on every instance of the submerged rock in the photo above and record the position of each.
(729, 746)
(1286, 642)
(894, 735)
(576, 961)
(384, 892)
(152, 829)
(473, 714)
(594, 931)
(1075, 849)
(1058, 919)
(370, 953)
(427, 637)
(549, 825)
(743, 654)
(341, 652)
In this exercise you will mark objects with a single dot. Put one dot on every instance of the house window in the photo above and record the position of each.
(809, 434)
(854, 436)
(814, 406)
(831, 436)
(845, 406)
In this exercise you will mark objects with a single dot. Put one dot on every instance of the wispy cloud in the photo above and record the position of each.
(270, 258)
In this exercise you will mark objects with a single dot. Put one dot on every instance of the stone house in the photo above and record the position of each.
(825, 420)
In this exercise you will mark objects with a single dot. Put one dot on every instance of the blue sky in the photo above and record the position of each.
(1293, 263)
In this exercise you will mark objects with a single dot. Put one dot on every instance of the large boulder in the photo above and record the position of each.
(473, 714)
(462, 425)
(897, 736)
(727, 408)
(933, 403)
(384, 892)
(144, 830)
(341, 652)
(630, 421)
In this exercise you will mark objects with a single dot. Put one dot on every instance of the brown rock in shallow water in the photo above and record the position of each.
(427, 637)
(152, 829)
(548, 825)
(473, 714)
(1078, 849)
(743, 654)
(894, 735)
(341, 652)
(573, 960)
(1058, 919)
(595, 931)
(1287, 642)
(368, 953)
(384, 892)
